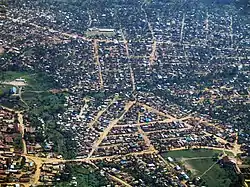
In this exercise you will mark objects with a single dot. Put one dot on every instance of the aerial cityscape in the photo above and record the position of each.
(125, 93)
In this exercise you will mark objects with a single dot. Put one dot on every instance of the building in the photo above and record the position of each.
(13, 90)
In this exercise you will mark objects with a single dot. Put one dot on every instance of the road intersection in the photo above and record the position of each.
(151, 149)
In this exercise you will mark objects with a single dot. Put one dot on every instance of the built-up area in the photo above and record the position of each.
(143, 78)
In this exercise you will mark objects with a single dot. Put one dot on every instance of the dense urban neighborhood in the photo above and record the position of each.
(133, 93)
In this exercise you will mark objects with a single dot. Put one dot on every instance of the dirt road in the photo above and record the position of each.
(110, 126)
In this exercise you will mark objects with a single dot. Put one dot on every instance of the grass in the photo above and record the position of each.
(37, 85)
(35, 81)
(193, 153)
(216, 177)
(12, 75)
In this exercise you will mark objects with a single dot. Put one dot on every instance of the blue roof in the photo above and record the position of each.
(14, 89)
(123, 161)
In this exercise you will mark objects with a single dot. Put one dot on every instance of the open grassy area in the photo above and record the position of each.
(192, 153)
(35, 86)
(215, 177)
(12, 75)
(35, 81)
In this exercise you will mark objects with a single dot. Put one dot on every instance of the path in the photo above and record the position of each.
(21, 99)
(96, 57)
(119, 180)
(90, 19)
(90, 125)
(208, 169)
(231, 31)
(132, 78)
(236, 147)
(21, 126)
(146, 139)
(195, 158)
(182, 28)
(156, 111)
(144, 136)
(110, 126)
(207, 26)
(83, 108)
(101, 40)
(127, 54)
(152, 57)
(202, 147)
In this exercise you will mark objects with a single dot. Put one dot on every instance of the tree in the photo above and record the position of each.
(215, 156)
(18, 144)
(23, 161)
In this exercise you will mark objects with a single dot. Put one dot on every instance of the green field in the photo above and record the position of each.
(215, 177)
(35, 81)
(37, 84)
(192, 153)
(12, 75)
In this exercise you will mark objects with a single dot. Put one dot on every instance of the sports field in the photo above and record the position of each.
(201, 164)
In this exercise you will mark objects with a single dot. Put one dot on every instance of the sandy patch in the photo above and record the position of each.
(190, 168)
(1, 50)
(15, 83)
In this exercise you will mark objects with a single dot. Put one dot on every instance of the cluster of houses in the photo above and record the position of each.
(146, 170)
(15, 168)
(9, 129)
(121, 145)
(50, 173)
(163, 126)
(32, 146)
(178, 60)
(227, 132)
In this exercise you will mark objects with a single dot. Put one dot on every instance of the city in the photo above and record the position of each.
(124, 93)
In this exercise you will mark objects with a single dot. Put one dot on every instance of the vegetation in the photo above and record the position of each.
(85, 176)
(18, 144)
(3, 5)
(35, 81)
(217, 176)
(43, 110)
(42, 106)
(193, 153)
